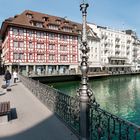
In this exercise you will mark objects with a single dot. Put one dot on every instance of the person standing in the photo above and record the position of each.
(15, 76)
(7, 77)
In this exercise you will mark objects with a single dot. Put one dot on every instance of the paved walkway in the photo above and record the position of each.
(34, 121)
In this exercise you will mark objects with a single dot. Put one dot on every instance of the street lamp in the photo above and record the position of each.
(84, 91)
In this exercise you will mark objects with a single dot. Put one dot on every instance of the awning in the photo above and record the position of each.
(118, 66)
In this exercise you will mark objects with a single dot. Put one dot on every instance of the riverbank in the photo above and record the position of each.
(75, 77)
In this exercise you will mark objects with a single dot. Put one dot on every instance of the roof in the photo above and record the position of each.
(27, 18)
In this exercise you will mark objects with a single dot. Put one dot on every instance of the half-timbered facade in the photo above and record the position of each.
(40, 43)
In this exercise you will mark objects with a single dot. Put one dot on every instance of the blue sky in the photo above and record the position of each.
(119, 14)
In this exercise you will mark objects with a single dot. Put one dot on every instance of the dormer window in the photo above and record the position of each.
(45, 18)
(67, 29)
(39, 24)
(75, 26)
(29, 15)
(53, 27)
(66, 22)
(79, 31)
(58, 21)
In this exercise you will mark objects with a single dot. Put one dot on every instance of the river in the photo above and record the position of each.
(119, 95)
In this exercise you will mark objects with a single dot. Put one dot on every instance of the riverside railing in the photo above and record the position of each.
(65, 107)
(106, 126)
(103, 125)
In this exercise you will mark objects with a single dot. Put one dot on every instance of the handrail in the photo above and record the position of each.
(103, 125)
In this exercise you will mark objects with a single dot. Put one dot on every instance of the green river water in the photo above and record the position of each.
(119, 95)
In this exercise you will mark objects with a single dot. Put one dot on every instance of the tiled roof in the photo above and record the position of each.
(28, 18)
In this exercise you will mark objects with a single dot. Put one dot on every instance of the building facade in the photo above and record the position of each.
(39, 43)
(36, 43)
(94, 53)
(118, 50)
(1, 65)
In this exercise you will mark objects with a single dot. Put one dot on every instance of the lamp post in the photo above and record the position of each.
(84, 92)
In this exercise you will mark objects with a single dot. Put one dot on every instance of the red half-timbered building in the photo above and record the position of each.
(40, 43)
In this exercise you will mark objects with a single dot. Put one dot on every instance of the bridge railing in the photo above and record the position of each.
(106, 126)
(103, 125)
(64, 106)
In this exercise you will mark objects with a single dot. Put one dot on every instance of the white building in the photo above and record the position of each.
(94, 53)
(118, 50)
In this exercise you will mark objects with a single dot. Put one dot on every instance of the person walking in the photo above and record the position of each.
(15, 76)
(7, 78)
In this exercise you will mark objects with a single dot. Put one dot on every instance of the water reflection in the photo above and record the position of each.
(119, 95)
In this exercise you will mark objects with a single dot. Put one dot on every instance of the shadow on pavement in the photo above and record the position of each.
(49, 129)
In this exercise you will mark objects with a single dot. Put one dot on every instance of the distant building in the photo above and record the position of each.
(118, 50)
(37, 43)
(40, 43)
(1, 65)
(94, 53)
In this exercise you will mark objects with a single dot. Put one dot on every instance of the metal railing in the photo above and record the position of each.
(106, 126)
(65, 107)
(103, 125)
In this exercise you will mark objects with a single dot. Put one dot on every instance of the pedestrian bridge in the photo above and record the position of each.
(32, 100)
(31, 120)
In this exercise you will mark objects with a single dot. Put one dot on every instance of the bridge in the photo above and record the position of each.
(31, 120)
(81, 117)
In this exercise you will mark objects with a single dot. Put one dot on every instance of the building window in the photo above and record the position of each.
(30, 45)
(21, 44)
(67, 29)
(21, 32)
(73, 58)
(45, 18)
(21, 56)
(39, 24)
(74, 48)
(15, 56)
(30, 56)
(30, 33)
(18, 56)
(40, 45)
(40, 56)
(29, 15)
(52, 57)
(51, 36)
(58, 21)
(15, 44)
(63, 37)
(63, 57)
(74, 38)
(15, 31)
(40, 34)
(53, 27)
(51, 46)
(63, 47)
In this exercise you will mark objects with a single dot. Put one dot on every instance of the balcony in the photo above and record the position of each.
(117, 38)
(128, 41)
(106, 48)
(105, 43)
(117, 49)
(104, 36)
(117, 43)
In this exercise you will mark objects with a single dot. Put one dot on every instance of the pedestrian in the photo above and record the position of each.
(15, 76)
(7, 77)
